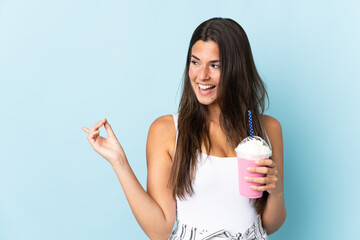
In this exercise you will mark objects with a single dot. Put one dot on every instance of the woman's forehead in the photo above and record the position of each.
(205, 50)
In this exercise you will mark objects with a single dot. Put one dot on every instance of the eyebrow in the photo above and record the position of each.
(212, 61)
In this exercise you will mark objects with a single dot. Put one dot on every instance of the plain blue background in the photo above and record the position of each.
(70, 63)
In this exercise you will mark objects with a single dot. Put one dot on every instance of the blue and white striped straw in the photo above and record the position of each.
(250, 124)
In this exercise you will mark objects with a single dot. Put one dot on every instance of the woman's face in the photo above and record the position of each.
(204, 71)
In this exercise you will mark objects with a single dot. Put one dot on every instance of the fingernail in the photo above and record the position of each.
(249, 169)
(257, 161)
(246, 178)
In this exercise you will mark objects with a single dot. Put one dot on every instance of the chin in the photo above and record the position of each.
(206, 102)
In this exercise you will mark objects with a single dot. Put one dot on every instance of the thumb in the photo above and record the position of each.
(108, 129)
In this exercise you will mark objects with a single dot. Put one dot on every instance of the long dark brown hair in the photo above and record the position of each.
(240, 89)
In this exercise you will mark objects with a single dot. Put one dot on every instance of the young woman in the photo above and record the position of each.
(191, 159)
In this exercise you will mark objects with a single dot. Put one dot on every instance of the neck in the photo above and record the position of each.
(214, 113)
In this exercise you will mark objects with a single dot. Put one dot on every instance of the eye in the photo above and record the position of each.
(194, 62)
(215, 66)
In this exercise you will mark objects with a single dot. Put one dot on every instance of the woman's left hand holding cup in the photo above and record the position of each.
(271, 180)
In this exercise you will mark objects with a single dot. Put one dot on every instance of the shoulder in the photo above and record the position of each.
(163, 124)
(162, 134)
(271, 123)
(273, 130)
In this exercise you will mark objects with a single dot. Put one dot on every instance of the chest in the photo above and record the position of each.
(220, 147)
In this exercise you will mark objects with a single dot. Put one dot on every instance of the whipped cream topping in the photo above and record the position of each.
(253, 148)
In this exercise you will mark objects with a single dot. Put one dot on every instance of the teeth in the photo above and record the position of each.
(205, 86)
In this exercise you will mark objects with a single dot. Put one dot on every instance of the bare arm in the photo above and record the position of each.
(154, 210)
(275, 212)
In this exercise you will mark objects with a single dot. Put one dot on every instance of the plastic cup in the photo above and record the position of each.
(256, 149)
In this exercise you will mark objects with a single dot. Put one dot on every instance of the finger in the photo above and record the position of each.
(262, 170)
(263, 187)
(108, 129)
(258, 188)
(97, 125)
(265, 162)
(93, 135)
(261, 180)
(85, 129)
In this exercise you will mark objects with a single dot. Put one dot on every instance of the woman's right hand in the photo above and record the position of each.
(109, 148)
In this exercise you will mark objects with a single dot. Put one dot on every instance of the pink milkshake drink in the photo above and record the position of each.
(248, 151)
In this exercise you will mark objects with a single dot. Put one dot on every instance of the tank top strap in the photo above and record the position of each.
(175, 116)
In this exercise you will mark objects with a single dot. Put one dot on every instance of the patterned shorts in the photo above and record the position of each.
(186, 232)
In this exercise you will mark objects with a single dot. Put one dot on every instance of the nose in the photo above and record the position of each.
(204, 73)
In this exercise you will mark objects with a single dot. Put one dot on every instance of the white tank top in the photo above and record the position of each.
(216, 202)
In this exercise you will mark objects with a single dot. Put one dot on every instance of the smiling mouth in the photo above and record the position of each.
(206, 89)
